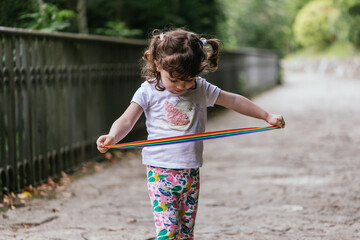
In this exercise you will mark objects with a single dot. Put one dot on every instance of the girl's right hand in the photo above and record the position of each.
(274, 119)
(103, 141)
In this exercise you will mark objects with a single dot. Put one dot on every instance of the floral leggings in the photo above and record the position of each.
(174, 195)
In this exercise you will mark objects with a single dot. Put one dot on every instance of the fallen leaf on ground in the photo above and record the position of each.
(56, 209)
(24, 195)
(98, 168)
(113, 229)
(67, 194)
(131, 220)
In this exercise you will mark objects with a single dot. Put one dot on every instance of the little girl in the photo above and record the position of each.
(174, 99)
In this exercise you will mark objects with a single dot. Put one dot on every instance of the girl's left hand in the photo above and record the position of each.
(277, 120)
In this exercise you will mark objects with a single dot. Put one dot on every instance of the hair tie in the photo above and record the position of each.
(203, 40)
(162, 35)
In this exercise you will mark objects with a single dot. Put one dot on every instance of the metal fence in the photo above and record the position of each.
(59, 92)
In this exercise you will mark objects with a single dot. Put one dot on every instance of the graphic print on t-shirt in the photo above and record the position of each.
(181, 115)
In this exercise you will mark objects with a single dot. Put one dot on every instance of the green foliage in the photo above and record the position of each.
(337, 49)
(349, 19)
(201, 16)
(340, 49)
(238, 23)
(49, 18)
(314, 23)
(258, 23)
(11, 10)
(115, 17)
(118, 28)
(296, 5)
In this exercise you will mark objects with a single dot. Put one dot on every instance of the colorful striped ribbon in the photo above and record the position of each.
(192, 137)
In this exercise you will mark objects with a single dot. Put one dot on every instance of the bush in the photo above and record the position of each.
(313, 24)
(353, 13)
(49, 18)
(119, 29)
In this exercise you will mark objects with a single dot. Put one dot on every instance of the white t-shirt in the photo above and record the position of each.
(168, 114)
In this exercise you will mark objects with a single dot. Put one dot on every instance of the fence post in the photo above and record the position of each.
(27, 112)
(9, 82)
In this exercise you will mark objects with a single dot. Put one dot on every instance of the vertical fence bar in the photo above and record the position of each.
(11, 131)
(32, 85)
(19, 116)
(3, 141)
(71, 111)
(27, 110)
(43, 58)
(82, 109)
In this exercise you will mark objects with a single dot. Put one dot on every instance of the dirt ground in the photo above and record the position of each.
(301, 182)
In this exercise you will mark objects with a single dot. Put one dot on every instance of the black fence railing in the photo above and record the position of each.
(59, 92)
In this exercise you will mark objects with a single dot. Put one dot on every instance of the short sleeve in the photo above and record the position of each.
(141, 96)
(211, 92)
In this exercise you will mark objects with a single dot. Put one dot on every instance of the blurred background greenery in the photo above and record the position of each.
(292, 27)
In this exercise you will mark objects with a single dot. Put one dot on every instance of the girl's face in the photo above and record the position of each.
(174, 85)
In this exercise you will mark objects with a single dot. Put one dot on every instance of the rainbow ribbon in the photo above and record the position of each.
(192, 137)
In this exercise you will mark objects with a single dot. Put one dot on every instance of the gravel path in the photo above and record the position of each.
(301, 182)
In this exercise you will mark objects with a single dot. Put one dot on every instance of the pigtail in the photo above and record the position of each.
(149, 70)
(212, 53)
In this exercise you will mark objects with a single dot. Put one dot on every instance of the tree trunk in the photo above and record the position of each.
(81, 16)
(41, 3)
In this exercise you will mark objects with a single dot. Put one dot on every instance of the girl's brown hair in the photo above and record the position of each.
(183, 54)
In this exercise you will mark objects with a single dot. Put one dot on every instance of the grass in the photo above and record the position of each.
(336, 50)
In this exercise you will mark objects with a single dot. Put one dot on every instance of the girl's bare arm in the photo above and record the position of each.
(121, 127)
(246, 107)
